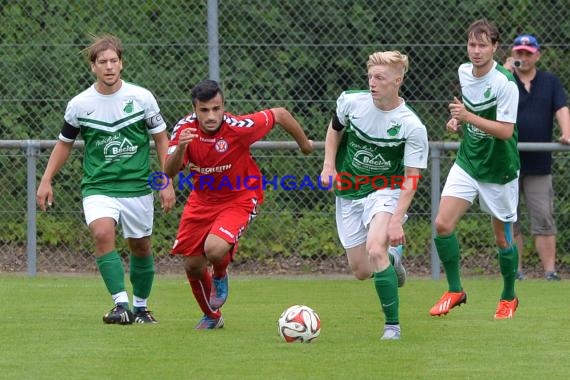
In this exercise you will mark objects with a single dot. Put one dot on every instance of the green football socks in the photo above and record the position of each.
(448, 252)
(111, 269)
(142, 275)
(386, 283)
(509, 262)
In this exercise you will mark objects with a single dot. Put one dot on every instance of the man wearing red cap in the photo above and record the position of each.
(541, 98)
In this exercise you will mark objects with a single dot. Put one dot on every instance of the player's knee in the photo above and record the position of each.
(103, 236)
(216, 254)
(215, 248)
(140, 247)
(194, 267)
(443, 227)
(362, 274)
(360, 270)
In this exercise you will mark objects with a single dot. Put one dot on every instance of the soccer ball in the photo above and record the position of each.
(299, 323)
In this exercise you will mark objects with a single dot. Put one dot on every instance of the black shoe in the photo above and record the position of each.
(119, 315)
(144, 316)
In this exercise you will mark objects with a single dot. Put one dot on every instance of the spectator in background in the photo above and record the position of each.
(541, 98)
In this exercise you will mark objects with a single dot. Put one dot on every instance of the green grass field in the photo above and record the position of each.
(52, 329)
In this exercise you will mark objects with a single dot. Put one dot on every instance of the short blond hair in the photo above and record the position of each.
(393, 57)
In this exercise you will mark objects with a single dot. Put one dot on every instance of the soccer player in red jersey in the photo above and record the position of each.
(226, 187)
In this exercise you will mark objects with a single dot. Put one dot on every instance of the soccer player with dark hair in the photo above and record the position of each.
(215, 144)
(487, 165)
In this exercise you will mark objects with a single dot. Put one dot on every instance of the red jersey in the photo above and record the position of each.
(221, 167)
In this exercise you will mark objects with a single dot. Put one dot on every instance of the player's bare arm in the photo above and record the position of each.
(167, 196)
(57, 159)
(292, 126)
(408, 190)
(174, 160)
(499, 129)
(332, 141)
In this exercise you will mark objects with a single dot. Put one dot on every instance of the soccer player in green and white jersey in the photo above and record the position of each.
(115, 119)
(374, 150)
(487, 166)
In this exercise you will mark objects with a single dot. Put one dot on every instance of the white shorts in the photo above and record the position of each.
(135, 215)
(500, 201)
(353, 217)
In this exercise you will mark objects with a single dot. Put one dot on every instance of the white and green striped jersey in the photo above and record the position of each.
(116, 131)
(376, 142)
(494, 96)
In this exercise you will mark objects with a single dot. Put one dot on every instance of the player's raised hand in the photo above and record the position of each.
(186, 136)
(457, 110)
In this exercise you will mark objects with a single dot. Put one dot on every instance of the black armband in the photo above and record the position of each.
(154, 121)
(68, 131)
(336, 124)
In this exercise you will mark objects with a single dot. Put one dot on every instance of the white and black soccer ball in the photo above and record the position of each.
(299, 323)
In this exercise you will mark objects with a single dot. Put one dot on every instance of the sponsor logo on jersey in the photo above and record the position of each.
(366, 160)
(116, 149)
(210, 170)
(221, 146)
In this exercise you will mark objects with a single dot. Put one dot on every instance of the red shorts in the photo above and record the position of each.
(228, 221)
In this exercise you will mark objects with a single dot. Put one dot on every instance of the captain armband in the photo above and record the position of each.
(155, 121)
(69, 132)
(336, 124)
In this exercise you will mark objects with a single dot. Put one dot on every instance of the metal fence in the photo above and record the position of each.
(287, 237)
(294, 53)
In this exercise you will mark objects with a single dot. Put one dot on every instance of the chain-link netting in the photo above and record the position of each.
(296, 53)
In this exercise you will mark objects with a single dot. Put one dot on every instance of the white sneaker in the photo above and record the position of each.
(391, 332)
(396, 253)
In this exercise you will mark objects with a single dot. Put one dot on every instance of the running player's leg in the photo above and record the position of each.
(101, 215)
(195, 225)
(501, 201)
(457, 196)
(137, 221)
(508, 262)
(385, 278)
(222, 243)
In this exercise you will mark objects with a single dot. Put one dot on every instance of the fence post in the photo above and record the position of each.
(32, 149)
(213, 43)
(435, 154)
